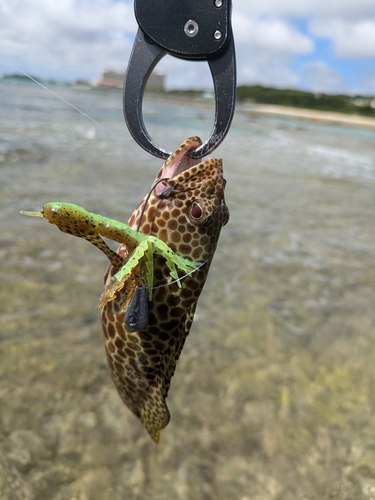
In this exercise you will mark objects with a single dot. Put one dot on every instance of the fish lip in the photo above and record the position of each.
(177, 163)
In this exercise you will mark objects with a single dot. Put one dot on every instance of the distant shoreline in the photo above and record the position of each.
(311, 115)
(253, 109)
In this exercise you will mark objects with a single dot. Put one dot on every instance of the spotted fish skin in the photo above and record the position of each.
(187, 212)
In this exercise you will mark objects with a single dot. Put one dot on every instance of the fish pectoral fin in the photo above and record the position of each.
(118, 281)
(173, 260)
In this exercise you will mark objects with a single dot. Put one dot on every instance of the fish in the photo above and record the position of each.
(147, 307)
(186, 209)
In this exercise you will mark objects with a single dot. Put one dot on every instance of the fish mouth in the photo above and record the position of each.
(178, 162)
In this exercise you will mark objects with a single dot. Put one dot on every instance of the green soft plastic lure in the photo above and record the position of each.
(77, 221)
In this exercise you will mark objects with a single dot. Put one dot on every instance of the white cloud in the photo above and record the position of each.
(350, 39)
(270, 34)
(183, 74)
(264, 47)
(266, 69)
(321, 78)
(78, 38)
(345, 9)
(365, 82)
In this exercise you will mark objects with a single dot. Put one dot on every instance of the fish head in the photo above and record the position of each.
(186, 208)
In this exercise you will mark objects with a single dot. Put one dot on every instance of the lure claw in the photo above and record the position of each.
(31, 214)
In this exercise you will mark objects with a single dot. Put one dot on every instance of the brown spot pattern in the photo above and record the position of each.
(142, 363)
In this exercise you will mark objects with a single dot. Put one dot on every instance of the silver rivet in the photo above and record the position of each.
(191, 28)
(218, 3)
(217, 35)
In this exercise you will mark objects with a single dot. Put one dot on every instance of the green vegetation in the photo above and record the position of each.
(297, 98)
(16, 76)
(186, 93)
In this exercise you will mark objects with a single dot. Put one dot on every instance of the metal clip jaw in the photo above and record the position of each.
(145, 56)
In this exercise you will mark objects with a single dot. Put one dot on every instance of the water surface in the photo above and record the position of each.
(273, 397)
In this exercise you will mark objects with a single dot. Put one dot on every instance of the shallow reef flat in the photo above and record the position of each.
(273, 396)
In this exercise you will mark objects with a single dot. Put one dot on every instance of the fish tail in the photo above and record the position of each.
(155, 419)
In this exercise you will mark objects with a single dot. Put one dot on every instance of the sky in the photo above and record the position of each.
(316, 45)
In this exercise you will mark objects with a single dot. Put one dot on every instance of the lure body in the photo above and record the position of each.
(187, 212)
(77, 221)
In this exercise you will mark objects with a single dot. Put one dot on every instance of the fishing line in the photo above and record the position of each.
(185, 275)
(122, 139)
(147, 198)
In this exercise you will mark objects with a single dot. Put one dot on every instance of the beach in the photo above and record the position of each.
(286, 112)
(273, 395)
(326, 117)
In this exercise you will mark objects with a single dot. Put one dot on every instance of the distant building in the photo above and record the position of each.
(156, 81)
(362, 102)
(112, 78)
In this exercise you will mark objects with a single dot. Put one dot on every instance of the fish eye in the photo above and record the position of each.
(196, 211)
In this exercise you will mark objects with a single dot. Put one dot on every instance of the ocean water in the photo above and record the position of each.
(273, 393)
(35, 124)
(48, 150)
